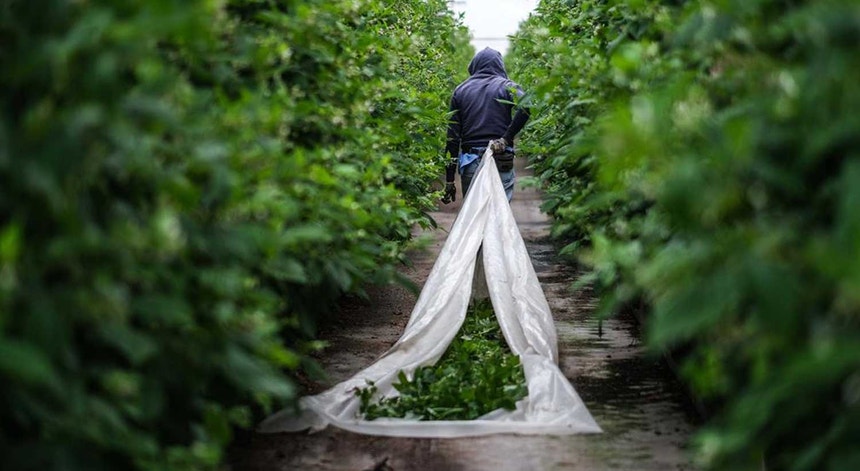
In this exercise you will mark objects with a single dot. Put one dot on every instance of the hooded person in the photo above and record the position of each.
(482, 113)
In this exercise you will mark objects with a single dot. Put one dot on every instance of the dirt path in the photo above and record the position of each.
(631, 396)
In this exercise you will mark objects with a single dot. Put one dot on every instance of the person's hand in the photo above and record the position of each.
(450, 193)
(498, 145)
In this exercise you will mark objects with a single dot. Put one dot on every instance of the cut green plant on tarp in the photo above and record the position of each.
(476, 375)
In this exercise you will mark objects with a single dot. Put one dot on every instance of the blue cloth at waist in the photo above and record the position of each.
(466, 159)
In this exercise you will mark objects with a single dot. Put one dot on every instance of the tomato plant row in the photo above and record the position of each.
(186, 187)
(703, 157)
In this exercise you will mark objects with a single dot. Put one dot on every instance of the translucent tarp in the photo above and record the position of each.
(485, 227)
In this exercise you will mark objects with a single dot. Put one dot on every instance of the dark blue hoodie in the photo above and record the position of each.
(480, 111)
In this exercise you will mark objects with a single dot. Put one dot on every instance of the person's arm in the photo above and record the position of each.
(520, 118)
(453, 144)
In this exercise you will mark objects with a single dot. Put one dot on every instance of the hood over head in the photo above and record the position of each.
(488, 62)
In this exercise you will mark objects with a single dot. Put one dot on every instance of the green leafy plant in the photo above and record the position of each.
(702, 157)
(187, 187)
(476, 375)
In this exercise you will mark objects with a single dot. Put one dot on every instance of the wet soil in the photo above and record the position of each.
(630, 393)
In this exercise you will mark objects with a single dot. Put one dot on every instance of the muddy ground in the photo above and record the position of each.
(643, 413)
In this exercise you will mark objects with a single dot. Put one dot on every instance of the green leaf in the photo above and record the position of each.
(286, 269)
(24, 362)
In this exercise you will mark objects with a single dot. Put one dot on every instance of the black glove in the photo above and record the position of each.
(450, 193)
(498, 146)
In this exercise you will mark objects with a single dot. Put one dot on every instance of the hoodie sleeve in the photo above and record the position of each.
(520, 117)
(453, 144)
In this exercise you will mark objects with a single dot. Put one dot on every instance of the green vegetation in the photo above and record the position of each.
(186, 187)
(476, 375)
(704, 157)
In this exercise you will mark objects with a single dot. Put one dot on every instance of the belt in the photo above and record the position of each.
(480, 150)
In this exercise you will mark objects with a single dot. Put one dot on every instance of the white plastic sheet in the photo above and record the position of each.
(552, 405)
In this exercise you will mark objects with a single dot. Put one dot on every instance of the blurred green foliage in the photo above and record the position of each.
(186, 187)
(704, 156)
